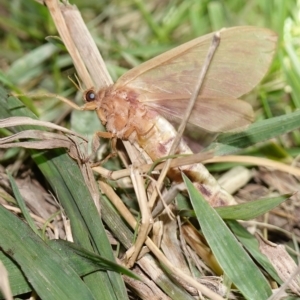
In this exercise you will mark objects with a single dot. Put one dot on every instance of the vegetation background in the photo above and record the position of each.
(128, 33)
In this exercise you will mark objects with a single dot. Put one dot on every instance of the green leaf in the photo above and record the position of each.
(65, 177)
(21, 204)
(250, 210)
(48, 274)
(255, 133)
(85, 262)
(29, 66)
(244, 211)
(252, 246)
(80, 260)
(233, 259)
(56, 41)
(17, 281)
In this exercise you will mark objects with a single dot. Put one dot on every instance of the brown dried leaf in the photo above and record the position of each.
(287, 215)
(171, 245)
(198, 244)
(36, 197)
(283, 182)
(145, 289)
(284, 265)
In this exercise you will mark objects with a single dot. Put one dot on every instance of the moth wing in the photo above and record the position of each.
(240, 62)
(214, 115)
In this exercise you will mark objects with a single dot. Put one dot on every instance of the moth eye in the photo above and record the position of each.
(90, 96)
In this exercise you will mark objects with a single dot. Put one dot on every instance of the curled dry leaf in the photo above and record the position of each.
(39, 139)
(20, 121)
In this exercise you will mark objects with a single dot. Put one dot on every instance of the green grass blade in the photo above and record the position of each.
(252, 246)
(216, 15)
(66, 179)
(149, 19)
(49, 275)
(29, 66)
(64, 175)
(257, 132)
(17, 281)
(244, 211)
(83, 261)
(233, 259)
(22, 205)
(250, 210)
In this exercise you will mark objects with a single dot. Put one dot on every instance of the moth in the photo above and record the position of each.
(142, 101)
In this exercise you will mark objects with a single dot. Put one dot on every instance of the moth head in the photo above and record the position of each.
(90, 95)
(92, 99)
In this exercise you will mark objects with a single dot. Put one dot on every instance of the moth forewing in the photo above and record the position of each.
(175, 72)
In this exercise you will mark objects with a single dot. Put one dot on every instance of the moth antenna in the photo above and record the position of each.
(67, 101)
(76, 83)
(50, 95)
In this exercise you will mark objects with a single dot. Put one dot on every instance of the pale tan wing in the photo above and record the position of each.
(239, 64)
(211, 114)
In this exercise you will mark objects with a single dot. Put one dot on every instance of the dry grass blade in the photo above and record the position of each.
(85, 45)
(4, 283)
(48, 140)
(259, 161)
(54, 9)
(146, 221)
(18, 121)
(117, 202)
(285, 266)
(175, 162)
(38, 139)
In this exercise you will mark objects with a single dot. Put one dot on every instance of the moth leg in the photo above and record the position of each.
(145, 132)
(133, 128)
(139, 131)
(104, 135)
(113, 153)
(134, 124)
(96, 144)
(128, 130)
